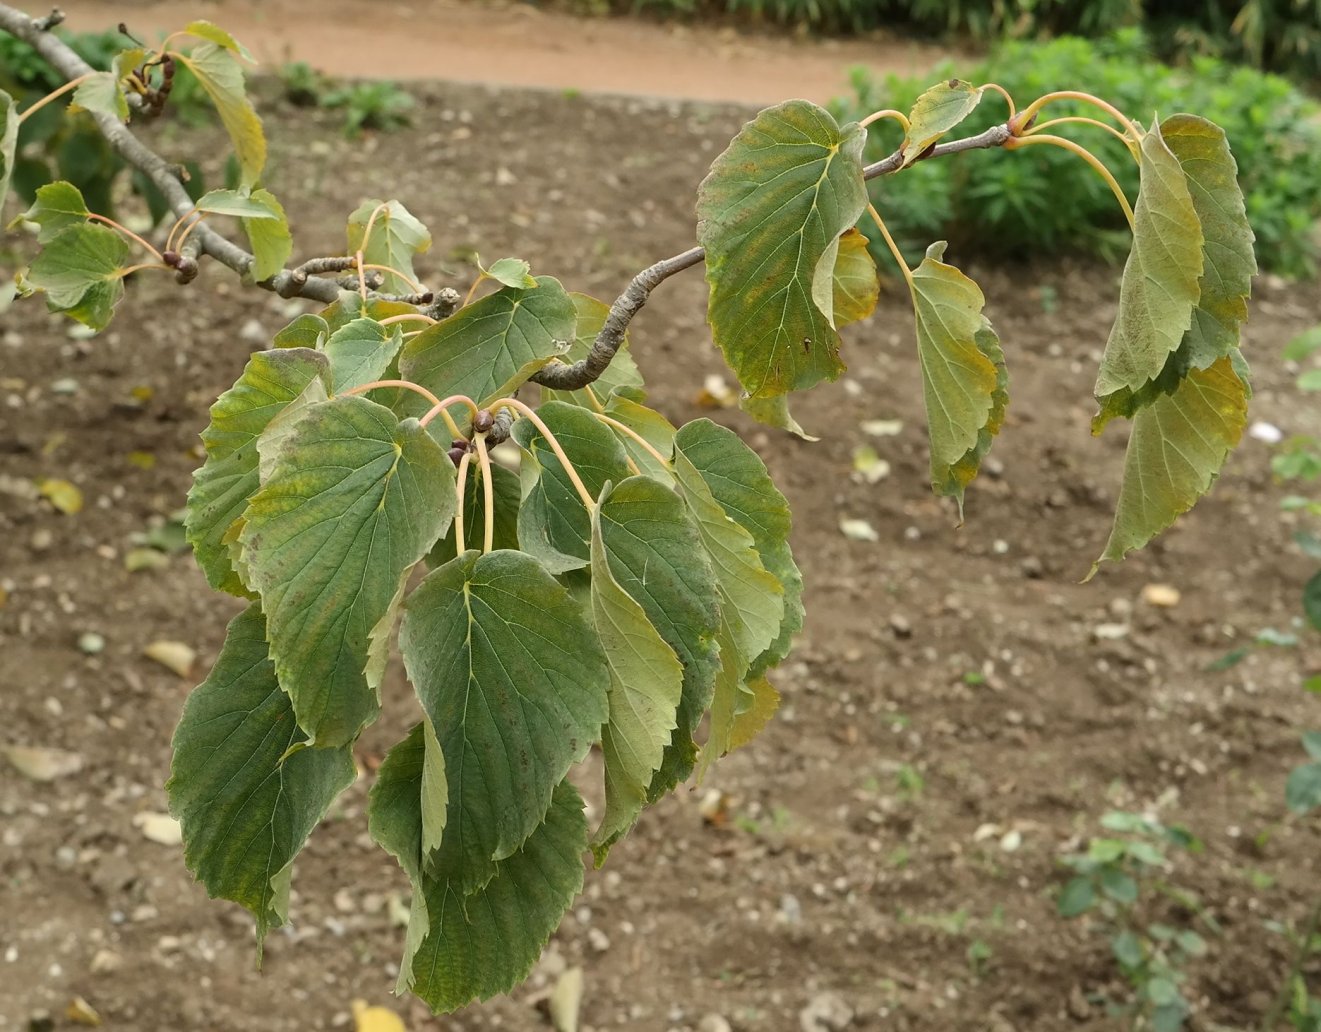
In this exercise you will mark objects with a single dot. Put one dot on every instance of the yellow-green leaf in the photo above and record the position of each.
(213, 33)
(272, 244)
(1160, 288)
(857, 287)
(963, 375)
(79, 269)
(762, 700)
(1175, 453)
(101, 94)
(936, 112)
(221, 76)
(770, 214)
(56, 207)
(396, 237)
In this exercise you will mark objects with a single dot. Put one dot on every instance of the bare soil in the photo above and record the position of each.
(897, 812)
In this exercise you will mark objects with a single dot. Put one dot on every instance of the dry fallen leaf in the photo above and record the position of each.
(716, 393)
(42, 764)
(858, 530)
(1165, 596)
(882, 427)
(375, 1019)
(63, 495)
(159, 827)
(868, 467)
(173, 655)
(145, 559)
(566, 1000)
(80, 1012)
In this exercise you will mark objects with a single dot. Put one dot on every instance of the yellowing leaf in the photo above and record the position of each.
(42, 764)
(770, 215)
(173, 655)
(936, 112)
(221, 76)
(857, 286)
(1175, 453)
(964, 383)
(63, 495)
(762, 700)
(375, 1019)
(775, 412)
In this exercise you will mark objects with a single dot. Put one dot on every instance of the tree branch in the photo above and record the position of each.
(60, 56)
(571, 377)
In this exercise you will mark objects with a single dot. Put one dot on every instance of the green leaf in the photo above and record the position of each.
(8, 142)
(752, 602)
(646, 679)
(239, 203)
(857, 286)
(246, 795)
(1312, 743)
(553, 523)
(306, 331)
(1303, 345)
(656, 556)
(396, 237)
(648, 424)
(410, 795)
(485, 943)
(508, 496)
(213, 33)
(1077, 897)
(271, 382)
(1228, 263)
(511, 272)
(350, 500)
(1127, 948)
(57, 207)
(1302, 792)
(964, 383)
(513, 679)
(1160, 288)
(221, 76)
(775, 412)
(1175, 453)
(270, 239)
(620, 374)
(1312, 600)
(361, 351)
(739, 482)
(1310, 381)
(79, 270)
(490, 347)
(770, 214)
(935, 113)
(1119, 886)
(100, 93)
(350, 306)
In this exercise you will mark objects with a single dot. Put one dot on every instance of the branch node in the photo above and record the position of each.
(444, 303)
(49, 22)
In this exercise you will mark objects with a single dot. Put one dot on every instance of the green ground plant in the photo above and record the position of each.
(632, 583)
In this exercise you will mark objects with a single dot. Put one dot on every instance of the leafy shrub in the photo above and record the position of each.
(371, 105)
(1019, 208)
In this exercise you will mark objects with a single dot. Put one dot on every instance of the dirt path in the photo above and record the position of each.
(520, 45)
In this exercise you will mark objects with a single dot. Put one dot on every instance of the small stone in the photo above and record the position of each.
(64, 385)
(66, 857)
(254, 332)
(91, 643)
(598, 940)
(1164, 596)
(713, 1023)
(825, 1012)
(41, 1021)
(344, 902)
(159, 827)
(42, 764)
(1032, 568)
(80, 1012)
(1079, 1008)
(41, 540)
(173, 655)
(791, 911)
(1110, 631)
(169, 944)
(106, 961)
(144, 912)
(900, 625)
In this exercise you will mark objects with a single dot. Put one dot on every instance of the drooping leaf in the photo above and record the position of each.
(512, 272)
(775, 412)
(964, 383)
(350, 500)
(1160, 288)
(57, 206)
(396, 237)
(1175, 452)
(762, 702)
(656, 556)
(8, 142)
(508, 495)
(553, 523)
(271, 241)
(513, 679)
(857, 286)
(483, 943)
(101, 93)
(213, 33)
(361, 351)
(410, 786)
(306, 331)
(238, 203)
(271, 382)
(246, 796)
(221, 76)
(740, 484)
(646, 683)
(936, 112)
(621, 373)
(1228, 263)
(492, 346)
(79, 270)
(770, 214)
